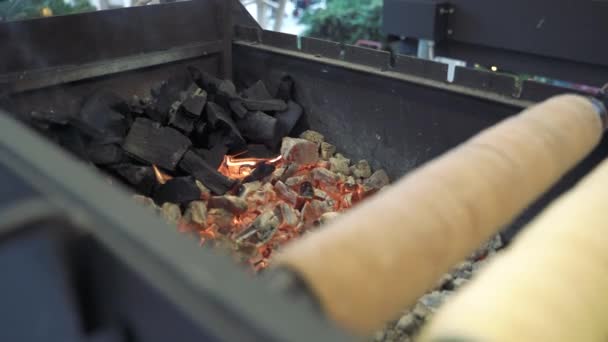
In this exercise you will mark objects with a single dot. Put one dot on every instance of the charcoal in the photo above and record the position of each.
(272, 105)
(296, 181)
(199, 133)
(222, 218)
(195, 102)
(226, 92)
(261, 171)
(287, 214)
(50, 116)
(196, 213)
(285, 193)
(324, 176)
(289, 118)
(299, 151)
(265, 226)
(171, 213)
(142, 178)
(214, 156)
(247, 189)
(233, 204)
(209, 176)
(340, 165)
(238, 108)
(257, 91)
(258, 151)
(277, 174)
(377, 181)
(259, 127)
(291, 170)
(171, 91)
(327, 150)
(106, 154)
(71, 139)
(320, 194)
(145, 202)
(100, 116)
(328, 216)
(307, 190)
(162, 146)
(181, 121)
(313, 136)
(286, 88)
(362, 169)
(180, 190)
(220, 120)
(205, 192)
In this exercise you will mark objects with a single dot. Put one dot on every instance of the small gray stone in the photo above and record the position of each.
(340, 165)
(171, 213)
(300, 151)
(362, 169)
(313, 136)
(327, 150)
(407, 323)
(196, 213)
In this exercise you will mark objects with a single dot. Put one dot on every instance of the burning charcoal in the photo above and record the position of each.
(287, 214)
(285, 193)
(222, 218)
(290, 171)
(285, 91)
(220, 120)
(259, 127)
(328, 216)
(307, 190)
(327, 150)
(361, 169)
(162, 146)
(144, 201)
(196, 213)
(271, 105)
(299, 151)
(179, 190)
(209, 176)
(238, 108)
(322, 207)
(181, 121)
(320, 194)
(309, 214)
(277, 174)
(205, 192)
(257, 91)
(377, 181)
(265, 226)
(171, 213)
(340, 165)
(313, 136)
(296, 181)
(289, 118)
(258, 151)
(350, 182)
(106, 154)
(142, 178)
(233, 204)
(264, 194)
(249, 188)
(324, 176)
(195, 102)
(348, 200)
(260, 172)
(214, 156)
(100, 116)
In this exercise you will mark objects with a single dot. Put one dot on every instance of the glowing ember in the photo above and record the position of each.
(239, 168)
(161, 177)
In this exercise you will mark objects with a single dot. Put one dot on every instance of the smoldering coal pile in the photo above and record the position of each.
(217, 162)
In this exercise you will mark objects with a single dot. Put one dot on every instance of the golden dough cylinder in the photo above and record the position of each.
(374, 261)
(551, 284)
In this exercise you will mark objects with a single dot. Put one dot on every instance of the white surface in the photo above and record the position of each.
(290, 24)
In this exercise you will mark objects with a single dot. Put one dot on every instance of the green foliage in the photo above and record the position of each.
(26, 9)
(345, 21)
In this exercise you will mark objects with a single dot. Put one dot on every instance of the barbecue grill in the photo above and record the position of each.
(82, 262)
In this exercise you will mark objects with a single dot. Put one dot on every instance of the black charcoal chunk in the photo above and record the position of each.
(261, 171)
(307, 190)
(205, 80)
(285, 91)
(214, 156)
(199, 134)
(181, 121)
(272, 105)
(226, 92)
(106, 154)
(289, 118)
(216, 182)
(259, 127)
(171, 91)
(220, 120)
(100, 117)
(142, 178)
(179, 190)
(259, 151)
(162, 146)
(195, 101)
(238, 108)
(257, 91)
(50, 116)
(72, 140)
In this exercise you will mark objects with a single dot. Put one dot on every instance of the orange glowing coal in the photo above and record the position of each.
(239, 168)
(161, 177)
